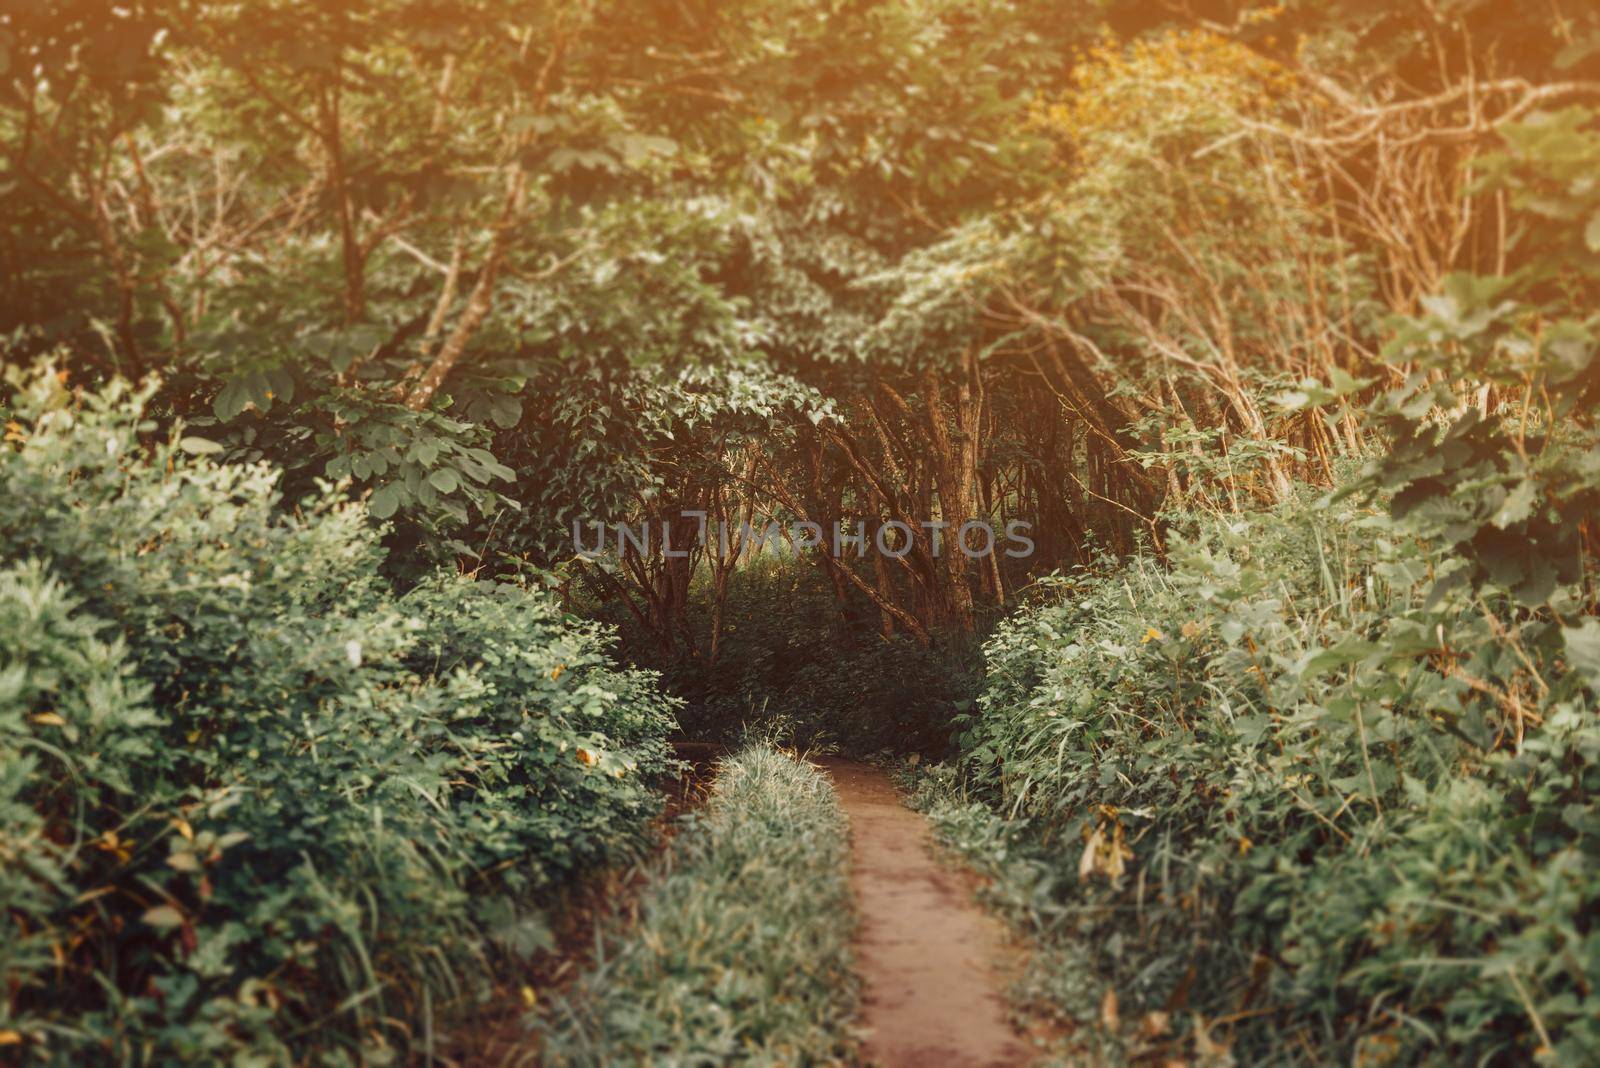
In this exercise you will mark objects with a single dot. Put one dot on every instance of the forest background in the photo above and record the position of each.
(1276, 322)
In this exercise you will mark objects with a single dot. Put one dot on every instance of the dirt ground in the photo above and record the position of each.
(933, 964)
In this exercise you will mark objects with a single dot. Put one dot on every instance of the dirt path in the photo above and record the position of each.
(932, 961)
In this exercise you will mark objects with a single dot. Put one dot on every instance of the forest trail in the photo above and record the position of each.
(931, 960)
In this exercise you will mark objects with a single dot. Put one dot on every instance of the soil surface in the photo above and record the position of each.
(933, 964)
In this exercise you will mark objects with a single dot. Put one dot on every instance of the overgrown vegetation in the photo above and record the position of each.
(740, 953)
(1273, 321)
(257, 805)
(1293, 793)
(1322, 777)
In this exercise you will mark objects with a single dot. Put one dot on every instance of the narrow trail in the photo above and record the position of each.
(932, 961)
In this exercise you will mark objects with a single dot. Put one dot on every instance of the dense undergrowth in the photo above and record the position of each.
(421, 290)
(255, 804)
(741, 950)
(1291, 794)
(788, 660)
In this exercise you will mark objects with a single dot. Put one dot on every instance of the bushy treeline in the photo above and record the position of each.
(506, 266)
(1292, 792)
(253, 801)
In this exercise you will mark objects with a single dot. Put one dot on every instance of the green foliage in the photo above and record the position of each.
(426, 283)
(741, 954)
(294, 214)
(255, 804)
(1284, 795)
(1494, 448)
(1320, 781)
(613, 442)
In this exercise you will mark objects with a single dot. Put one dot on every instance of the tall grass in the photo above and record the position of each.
(1287, 796)
(741, 952)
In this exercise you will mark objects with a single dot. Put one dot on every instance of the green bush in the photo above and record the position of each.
(741, 953)
(253, 803)
(1294, 792)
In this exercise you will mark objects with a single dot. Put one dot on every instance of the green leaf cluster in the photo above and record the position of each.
(255, 803)
(1294, 798)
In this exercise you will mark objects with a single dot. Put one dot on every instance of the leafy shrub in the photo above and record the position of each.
(1291, 793)
(251, 800)
(741, 953)
(1493, 442)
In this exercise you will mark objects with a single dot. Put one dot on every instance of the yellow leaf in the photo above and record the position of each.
(183, 828)
(9, 1037)
(1245, 845)
(49, 719)
(183, 862)
(1110, 1012)
(556, 672)
(1091, 855)
(530, 997)
(1204, 1044)
(1118, 856)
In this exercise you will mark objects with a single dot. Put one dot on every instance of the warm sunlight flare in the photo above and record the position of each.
(799, 532)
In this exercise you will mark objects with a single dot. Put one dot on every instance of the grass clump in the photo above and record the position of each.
(741, 951)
